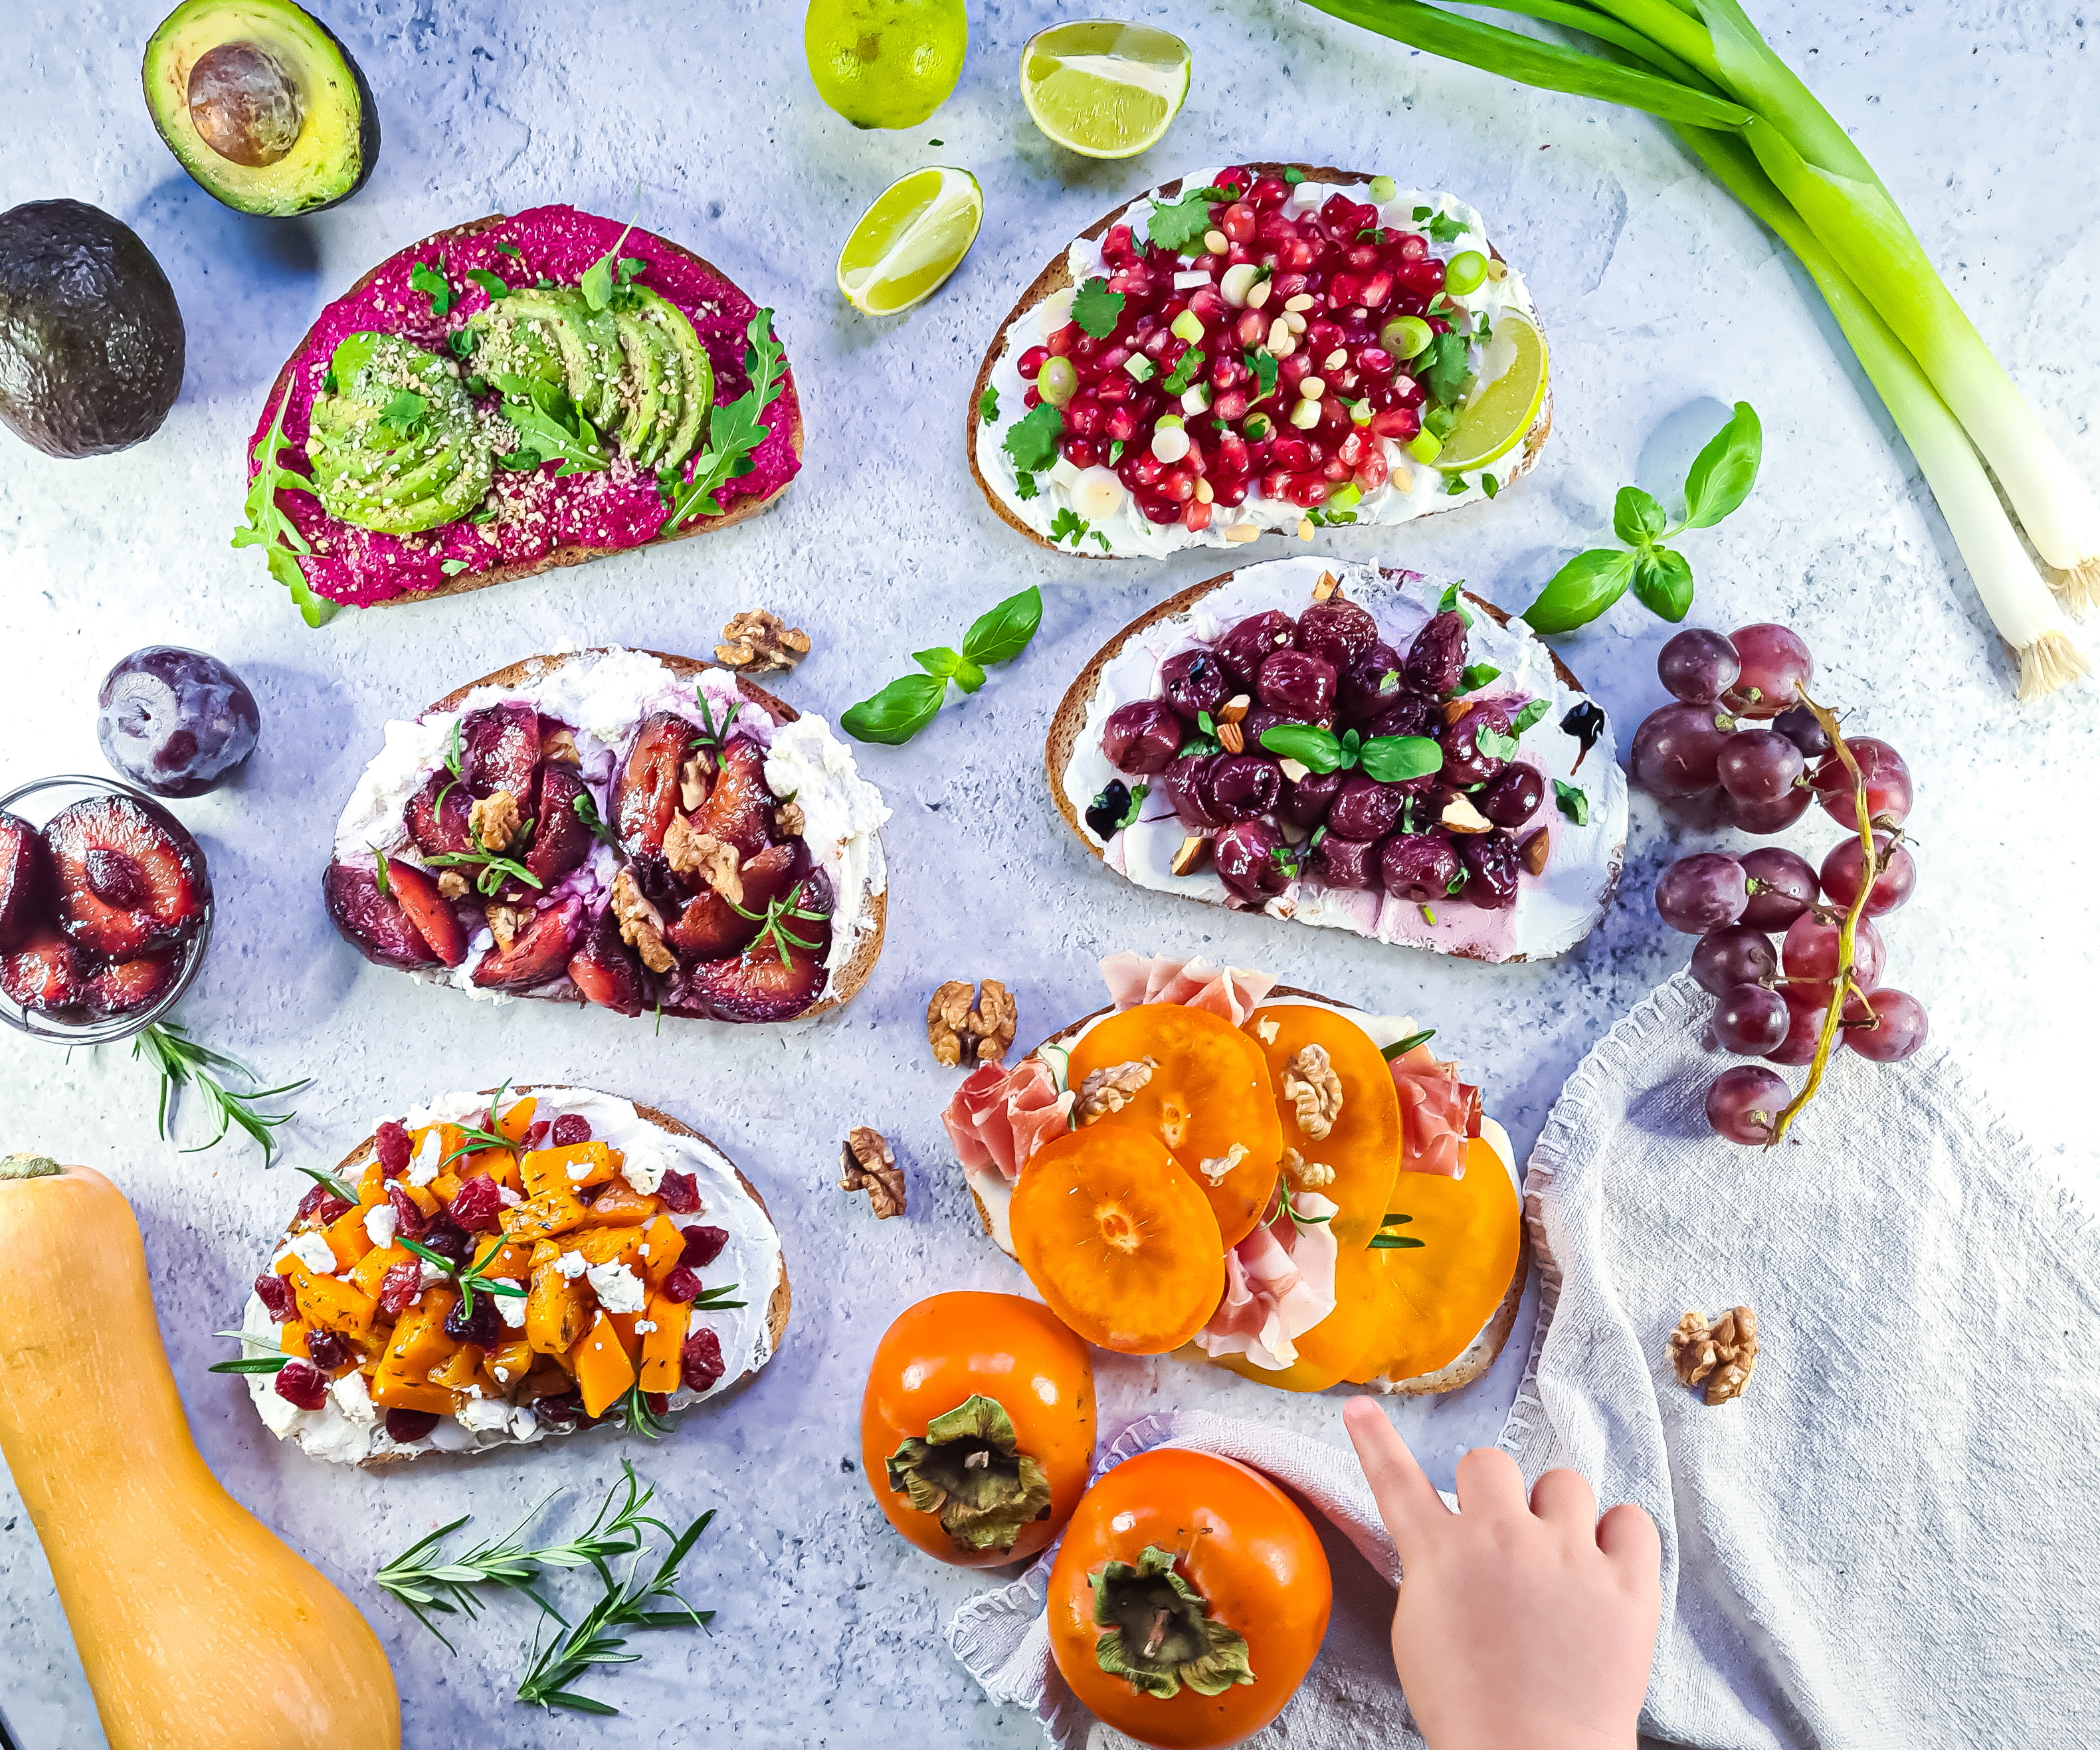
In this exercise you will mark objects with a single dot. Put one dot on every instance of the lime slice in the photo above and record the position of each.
(1105, 89)
(908, 243)
(1506, 401)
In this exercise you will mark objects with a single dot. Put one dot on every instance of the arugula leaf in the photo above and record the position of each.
(897, 712)
(1662, 582)
(1582, 589)
(1095, 308)
(1032, 441)
(1724, 472)
(1183, 372)
(552, 425)
(1572, 802)
(597, 282)
(1003, 632)
(462, 342)
(950, 666)
(1067, 522)
(1476, 676)
(1443, 369)
(988, 406)
(1637, 519)
(432, 284)
(269, 528)
(1181, 222)
(1531, 714)
(1262, 363)
(733, 431)
(522, 460)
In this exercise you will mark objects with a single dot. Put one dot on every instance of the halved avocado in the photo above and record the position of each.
(262, 105)
(400, 479)
(697, 379)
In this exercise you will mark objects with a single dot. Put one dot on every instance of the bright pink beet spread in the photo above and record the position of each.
(618, 507)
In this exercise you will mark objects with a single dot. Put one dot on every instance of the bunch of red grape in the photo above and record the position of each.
(1771, 1003)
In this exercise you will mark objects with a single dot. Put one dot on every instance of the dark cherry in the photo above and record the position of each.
(1243, 787)
(1466, 763)
(1259, 721)
(1301, 686)
(1252, 859)
(1338, 632)
(1418, 867)
(1366, 809)
(1194, 681)
(1185, 783)
(1372, 684)
(1437, 657)
(1512, 795)
(327, 1350)
(176, 721)
(1492, 869)
(1143, 737)
(1250, 642)
(1347, 863)
(1407, 714)
(405, 1427)
(482, 1325)
(1305, 803)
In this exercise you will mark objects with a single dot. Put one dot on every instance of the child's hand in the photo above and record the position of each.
(1519, 1627)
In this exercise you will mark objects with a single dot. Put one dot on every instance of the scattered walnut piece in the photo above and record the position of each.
(692, 852)
(955, 1029)
(695, 777)
(1109, 1089)
(505, 922)
(1219, 1166)
(757, 641)
(558, 747)
(1327, 585)
(1721, 1357)
(1312, 1086)
(868, 1165)
(495, 819)
(790, 820)
(640, 923)
(452, 885)
(1305, 1174)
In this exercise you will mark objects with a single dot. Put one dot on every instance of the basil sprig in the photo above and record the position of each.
(896, 713)
(1390, 758)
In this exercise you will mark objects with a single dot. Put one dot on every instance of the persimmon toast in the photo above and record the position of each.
(1291, 1188)
(642, 831)
(497, 1268)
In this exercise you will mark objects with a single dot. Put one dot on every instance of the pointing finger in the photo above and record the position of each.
(1406, 1501)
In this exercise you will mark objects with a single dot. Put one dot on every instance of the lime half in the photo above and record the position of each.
(1506, 401)
(908, 243)
(1106, 89)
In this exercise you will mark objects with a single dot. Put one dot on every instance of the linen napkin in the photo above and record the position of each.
(1889, 1540)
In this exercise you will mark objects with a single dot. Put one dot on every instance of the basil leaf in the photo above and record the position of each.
(1032, 441)
(1637, 519)
(942, 662)
(1095, 308)
(1451, 602)
(1582, 589)
(1572, 802)
(1528, 715)
(1474, 677)
(1493, 744)
(897, 712)
(1725, 470)
(1394, 759)
(1002, 633)
(1311, 747)
(1662, 581)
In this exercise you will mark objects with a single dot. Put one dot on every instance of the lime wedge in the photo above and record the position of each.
(908, 243)
(1105, 89)
(1506, 401)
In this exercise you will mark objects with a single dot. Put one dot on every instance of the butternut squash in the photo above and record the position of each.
(556, 1311)
(541, 1217)
(662, 1348)
(662, 1246)
(347, 1239)
(194, 1622)
(620, 1205)
(324, 1301)
(558, 1169)
(602, 1369)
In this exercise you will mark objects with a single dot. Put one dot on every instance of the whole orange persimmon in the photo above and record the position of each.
(1188, 1599)
(977, 1430)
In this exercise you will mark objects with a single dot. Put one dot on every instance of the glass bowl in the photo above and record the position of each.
(50, 795)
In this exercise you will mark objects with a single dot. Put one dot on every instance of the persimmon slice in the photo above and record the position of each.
(1363, 1147)
(1208, 1093)
(1448, 1287)
(1118, 1242)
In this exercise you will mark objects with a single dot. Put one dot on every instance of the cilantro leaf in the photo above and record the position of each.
(432, 284)
(1095, 308)
(1032, 442)
(1293, 175)
(1572, 802)
(1023, 485)
(1181, 222)
(1262, 362)
(1067, 523)
(733, 431)
(1183, 372)
(1444, 371)
(269, 528)
(988, 406)
(1443, 228)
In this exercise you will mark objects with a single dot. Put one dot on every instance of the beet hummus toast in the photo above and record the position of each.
(517, 393)
(490, 1270)
(641, 831)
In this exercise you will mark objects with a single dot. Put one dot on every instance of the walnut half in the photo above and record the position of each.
(957, 1030)
(868, 1165)
(494, 820)
(692, 853)
(1311, 1085)
(640, 923)
(757, 641)
(1721, 1357)
(1110, 1089)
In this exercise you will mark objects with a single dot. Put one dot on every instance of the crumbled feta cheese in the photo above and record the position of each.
(512, 1307)
(380, 1222)
(433, 1274)
(492, 1417)
(524, 1425)
(511, 1199)
(353, 1398)
(571, 1265)
(423, 1163)
(618, 1289)
(579, 1171)
(314, 1251)
(641, 1325)
(643, 1169)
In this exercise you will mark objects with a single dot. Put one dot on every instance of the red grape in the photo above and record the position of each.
(1797, 724)
(1900, 1027)
(1782, 887)
(1766, 818)
(1674, 751)
(1698, 666)
(1743, 1101)
(1804, 1028)
(1809, 956)
(1888, 784)
(1702, 892)
(1751, 1019)
(1776, 667)
(1843, 868)
(1735, 955)
(1756, 766)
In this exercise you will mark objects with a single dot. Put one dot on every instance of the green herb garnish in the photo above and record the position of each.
(905, 706)
(1393, 1053)
(1383, 1241)
(468, 1278)
(432, 284)
(1179, 223)
(274, 1363)
(552, 426)
(1185, 371)
(586, 811)
(1390, 758)
(988, 406)
(733, 431)
(1096, 308)
(182, 1061)
(269, 528)
(495, 284)
(1068, 524)
(1572, 802)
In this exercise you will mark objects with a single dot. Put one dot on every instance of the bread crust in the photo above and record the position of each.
(777, 1308)
(1070, 719)
(1479, 1354)
(1057, 276)
(571, 553)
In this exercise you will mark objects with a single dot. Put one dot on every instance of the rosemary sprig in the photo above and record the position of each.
(494, 867)
(445, 1585)
(1393, 1053)
(181, 1061)
(1382, 1241)
(772, 928)
(710, 736)
(340, 1187)
(274, 1363)
(710, 1300)
(635, 1416)
(1301, 1223)
(467, 1277)
(452, 765)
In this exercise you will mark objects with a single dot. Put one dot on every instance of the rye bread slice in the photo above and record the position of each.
(1070, 719)
(840, 990)
(1056, 276)
(777, 1308)
(571, 553)
(1479, 1354)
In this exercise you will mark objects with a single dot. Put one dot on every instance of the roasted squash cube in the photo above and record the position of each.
(325, 1301)
(557, 1310)
(601, 1367)
(367, 1270)
(538, 1217)
(347, 1239)
(459, 1369)
(504, 1260)
(394, 1390)
(606, 1245)
(662, 1246)
(662, 1346)
(549, 1379)
(292, 1340)
(620, 1205)
(420, 1343)
(509, 1361)
(569, 1169)
(515, 1119)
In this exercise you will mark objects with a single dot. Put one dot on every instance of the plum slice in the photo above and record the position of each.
(371, 922)
(416, 890)
(46, 972)
(26, 879)
(645, 790)
(710, 926)
(755, 985)
(124, 987)
(561, 841)
(608, 972)
(130, 877)
(739, 808)
(436, 815)
(538, 954)
(500, 749)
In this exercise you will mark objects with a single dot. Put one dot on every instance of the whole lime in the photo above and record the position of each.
(886, 63)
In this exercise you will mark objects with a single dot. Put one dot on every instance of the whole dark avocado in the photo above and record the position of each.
(90, 338)
(262, 105)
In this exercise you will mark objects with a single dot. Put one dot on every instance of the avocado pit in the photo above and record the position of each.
(246, 104)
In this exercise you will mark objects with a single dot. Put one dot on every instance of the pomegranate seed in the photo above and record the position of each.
(1061, 343)
(1160, 509)
(1362, 257)
(326, 1350)
(1395, 422)
(682, 1285)
(408, 1220)
(703, 1246)
(394, 1147)
(1238, 222)
(570, 1129)
(1351, 449)
(301, 1383)
(1291, 455)
(1196, 517)
(1232, 404)
(700, 1361)
(1206, 306)
(1079, 452)
(1306, 490)
(680, 1193)
(1335, 472)
(1345, 287)
(1375, 360)
(1031, 398)
(399, 1287)
(1232, 492)
(1268, 190)
(1413, 246)
(1083, 417)
(1321, 337)
(1113, 389)
(1117, 247)
(405, 1427)
(480, 1203)
(1177, 484)
(275, 1294)
(1032, 361)
(1122, 424)
(1371, 470)
(1377, 289)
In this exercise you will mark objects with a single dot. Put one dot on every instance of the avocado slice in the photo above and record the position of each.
(650, 390)
(396, 445)
(91, 341)
(262, 104)
(589, 343)
(514, 339)
(696, 377)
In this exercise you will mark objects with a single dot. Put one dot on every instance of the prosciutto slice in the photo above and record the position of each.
(999, 1117)
(1437, 1114)
(1279, 1284)
(1232, 992)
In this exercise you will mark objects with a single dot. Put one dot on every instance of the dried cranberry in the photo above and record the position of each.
(399, 1287)
(1347, 863)
(1242, 786)
(1372, 684)
(561, 1407)
(302, 1383)
(679, 1193)
(482, 1326)
(1437, 657)
(1195, 681)
(1305, 803)
(1418, 868)
(700, 1361)
(1249, 644)
(326, 1350)
(480, 1203)
(1253, 860)
(404, 1427)
(535, 1134)
(1465, 761)
(657, 1401)
(1513, 797)
(570, 1129)
(1492, 869)
(1366, 809)
(395, 1147)
(1337, 631)
(1142, 737)
(682, 1285)
(275, 1294)
(1301, 686)
(448, 1240)
(1183, 783)
(704, 1245)
(322, 1205)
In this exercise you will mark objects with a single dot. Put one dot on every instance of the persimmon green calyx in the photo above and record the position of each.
(1158, 1631)
(969, 1469)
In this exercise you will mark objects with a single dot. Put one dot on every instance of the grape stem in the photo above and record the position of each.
(1843, 986)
